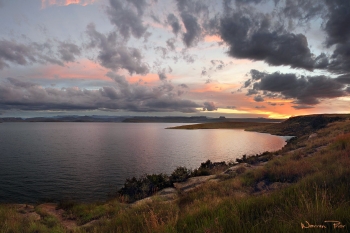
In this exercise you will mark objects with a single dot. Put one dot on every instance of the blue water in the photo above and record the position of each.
(87, 161)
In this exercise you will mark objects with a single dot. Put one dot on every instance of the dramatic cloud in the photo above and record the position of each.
(306, 90)
(301, 10)
(114, 55)
(193, 30)
(23, 95)
(152, 48)
(13, 52)
(126, 19)
(251, 35)
(340, 59)
(68, 51)
(209, 106)
(337, 25)
(344, 79)
(258, 98)
(195, 17)
(162, 76)
(174, 23)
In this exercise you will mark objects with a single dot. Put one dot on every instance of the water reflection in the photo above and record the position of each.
(86, 161)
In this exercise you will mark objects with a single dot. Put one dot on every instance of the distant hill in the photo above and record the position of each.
(199, 119)
(302, 125)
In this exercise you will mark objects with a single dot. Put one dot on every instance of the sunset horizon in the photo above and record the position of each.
(261, 58)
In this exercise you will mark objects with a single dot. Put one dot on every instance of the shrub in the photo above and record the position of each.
(180, 174)
(201, 172)
(144, 186)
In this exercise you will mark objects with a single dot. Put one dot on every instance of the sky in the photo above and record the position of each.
(232, 58)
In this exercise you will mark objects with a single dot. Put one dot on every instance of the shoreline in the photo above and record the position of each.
(314, 165)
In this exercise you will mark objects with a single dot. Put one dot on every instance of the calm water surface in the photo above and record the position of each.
(87, 161)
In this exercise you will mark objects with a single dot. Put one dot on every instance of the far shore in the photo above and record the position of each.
(223, 125)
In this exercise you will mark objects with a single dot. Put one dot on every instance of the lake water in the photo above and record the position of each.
(87, 161)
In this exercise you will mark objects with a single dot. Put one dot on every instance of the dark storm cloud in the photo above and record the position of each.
(124, 17)
(306, 90)
(197, 21)
(114, 55)
(348, 89)
(247, 83)
(302, 10)
(253, 36)
(337, 25)
(167, 105)
(335, 18)
(251, 92)
(344, 79)
(258, 98)
(193, 29)
(209, 106)
(340, 59)
(174, 23)
(68, 51)
(257, 75)
(120, 95)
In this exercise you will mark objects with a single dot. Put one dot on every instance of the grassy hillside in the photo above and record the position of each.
(305, 184)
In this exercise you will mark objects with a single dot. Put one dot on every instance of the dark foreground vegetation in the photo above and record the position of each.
(305, 187)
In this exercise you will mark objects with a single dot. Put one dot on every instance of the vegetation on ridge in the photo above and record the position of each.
(305, 184)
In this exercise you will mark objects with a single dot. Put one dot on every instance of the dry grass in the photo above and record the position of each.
(318, 174)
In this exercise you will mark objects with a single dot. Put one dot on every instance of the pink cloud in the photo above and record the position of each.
(47, 3)
(213, 38)
(85, 69)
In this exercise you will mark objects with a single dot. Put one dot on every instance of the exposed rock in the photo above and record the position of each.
(28, 211)
(167, 194)
(193, 182)
(238, 169)
(314, 135)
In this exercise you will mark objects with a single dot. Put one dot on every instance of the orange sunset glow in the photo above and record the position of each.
(210, 58)
(85, 69)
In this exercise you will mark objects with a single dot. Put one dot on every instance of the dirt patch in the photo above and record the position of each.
(51, 209)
